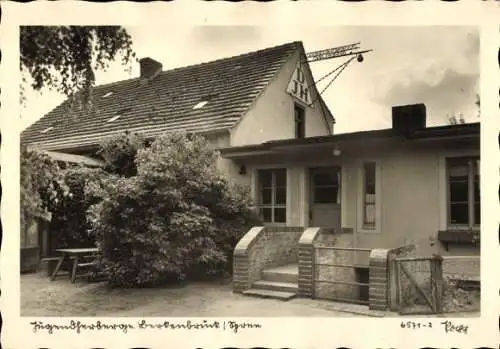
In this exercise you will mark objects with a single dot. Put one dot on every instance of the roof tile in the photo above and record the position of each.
(166, 102)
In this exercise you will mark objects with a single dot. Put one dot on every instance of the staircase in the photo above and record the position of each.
(278, 283)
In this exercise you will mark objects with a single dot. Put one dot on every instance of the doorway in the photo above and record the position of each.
(325, 198)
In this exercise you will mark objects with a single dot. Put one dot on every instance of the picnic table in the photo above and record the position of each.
(76, 255)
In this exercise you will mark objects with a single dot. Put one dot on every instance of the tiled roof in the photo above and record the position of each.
(166, 102)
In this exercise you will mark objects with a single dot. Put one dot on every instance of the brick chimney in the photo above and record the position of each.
(149, 68)
(407, 119)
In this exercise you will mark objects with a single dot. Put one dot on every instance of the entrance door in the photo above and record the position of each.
(325, 197)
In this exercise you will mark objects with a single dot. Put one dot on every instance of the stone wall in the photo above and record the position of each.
(462, 267)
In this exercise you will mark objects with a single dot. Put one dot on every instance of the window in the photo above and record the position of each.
(200, 105)
(369, 195)
(116, 117)
(47, 129)
(300, 125)
(205, 99)
(272, 195)
(464, 207)
(119, 114)
(326, 184)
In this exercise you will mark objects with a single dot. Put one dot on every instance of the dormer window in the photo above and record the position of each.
(107, 94)
(205, 99)
(119, 114)
(200, 104)
(116, 117)
(47, 129)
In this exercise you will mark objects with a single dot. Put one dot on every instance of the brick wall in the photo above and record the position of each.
(306, 262)
(378, 279)
(260, 248)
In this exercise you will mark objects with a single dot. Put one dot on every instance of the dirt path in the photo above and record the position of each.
(40, 297)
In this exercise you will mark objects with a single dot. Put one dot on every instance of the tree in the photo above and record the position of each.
(456, 119)
(65, 58)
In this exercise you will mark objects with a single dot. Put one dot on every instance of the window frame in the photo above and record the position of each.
(274, 187)
(338, 185)
(366, 203)
(300, 125)
(473, 167)
(362, 227)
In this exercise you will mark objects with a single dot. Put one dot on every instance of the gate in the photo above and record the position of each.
(341, 274)
(419, 285)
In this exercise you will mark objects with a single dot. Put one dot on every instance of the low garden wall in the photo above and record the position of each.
(337, 257)
(261, 248)
(462, 267)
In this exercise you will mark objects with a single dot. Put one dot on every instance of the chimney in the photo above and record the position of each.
(149, 68)
(407, 119)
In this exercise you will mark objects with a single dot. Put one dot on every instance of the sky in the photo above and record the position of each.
(435, 65)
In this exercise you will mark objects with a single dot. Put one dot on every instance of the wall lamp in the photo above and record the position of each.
(336, 151)
(243, 170)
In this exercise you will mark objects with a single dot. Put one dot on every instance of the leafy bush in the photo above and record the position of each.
(69, 226)
(119, 153)
(178, 216)
(42, 186)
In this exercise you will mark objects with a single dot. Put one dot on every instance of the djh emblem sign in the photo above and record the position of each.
(298, 86)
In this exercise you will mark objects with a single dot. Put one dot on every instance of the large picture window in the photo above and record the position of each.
(464, 208)
(272, 195)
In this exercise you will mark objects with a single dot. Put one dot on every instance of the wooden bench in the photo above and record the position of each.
(84, 262)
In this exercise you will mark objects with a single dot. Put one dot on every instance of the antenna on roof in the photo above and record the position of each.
(335, 52)
(352, 50)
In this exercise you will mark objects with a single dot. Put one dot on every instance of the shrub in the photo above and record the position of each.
(119, 153)
(42, 186)
(69, 226)
(177, 216)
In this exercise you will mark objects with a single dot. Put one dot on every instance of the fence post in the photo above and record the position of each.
(378, 279)
(314, 271)
(393, 289)
(306, 260)
(437, 277)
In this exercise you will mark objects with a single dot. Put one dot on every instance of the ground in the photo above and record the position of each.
(41, 297)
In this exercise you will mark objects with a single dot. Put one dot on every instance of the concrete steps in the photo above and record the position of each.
(277, 283)
(276, 286)
(287, 273)
(284, 296)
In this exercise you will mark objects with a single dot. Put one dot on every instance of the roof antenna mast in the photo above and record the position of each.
(352, 51)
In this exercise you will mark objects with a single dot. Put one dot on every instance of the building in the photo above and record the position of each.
(405, 185)
(237, 101)
(410, 184)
